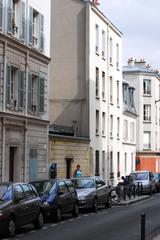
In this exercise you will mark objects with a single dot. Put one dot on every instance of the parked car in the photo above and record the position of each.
(146, 178)
(157, 180)
(92, 192)
(19, 205)
(58, 197)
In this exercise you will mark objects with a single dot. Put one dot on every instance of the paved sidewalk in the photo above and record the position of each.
(129, 201)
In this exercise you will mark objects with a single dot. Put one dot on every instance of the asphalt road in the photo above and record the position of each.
(116, 223)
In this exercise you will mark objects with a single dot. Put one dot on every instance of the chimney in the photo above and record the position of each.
(140, 63)
(95, 2)
(130, 62)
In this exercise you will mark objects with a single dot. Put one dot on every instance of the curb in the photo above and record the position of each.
(131, 201)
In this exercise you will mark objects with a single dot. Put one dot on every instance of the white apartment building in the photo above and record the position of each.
(86, 82)
(146, 81)
(24, 59)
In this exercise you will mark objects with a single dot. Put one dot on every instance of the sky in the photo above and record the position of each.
(139, 21)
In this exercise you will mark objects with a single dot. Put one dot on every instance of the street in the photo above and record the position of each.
(118, 222)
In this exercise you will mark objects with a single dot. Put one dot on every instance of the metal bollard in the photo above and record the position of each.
(143, 226)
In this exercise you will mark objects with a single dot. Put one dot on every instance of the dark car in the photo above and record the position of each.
(157, 180)
(58, 197)
(19, 205)
(92, 192)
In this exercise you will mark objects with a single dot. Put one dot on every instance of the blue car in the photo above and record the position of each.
(58, 197)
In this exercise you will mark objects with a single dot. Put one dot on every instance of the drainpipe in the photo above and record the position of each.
(25, 151)
(3, 150)
(5, 74)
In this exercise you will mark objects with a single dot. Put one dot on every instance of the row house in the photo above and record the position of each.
(86, 83)
(146, 81)
(23, 89)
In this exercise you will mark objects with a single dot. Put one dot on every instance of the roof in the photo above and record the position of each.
(141, 69)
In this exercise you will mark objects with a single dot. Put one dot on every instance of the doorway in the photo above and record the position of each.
(68, 167)
(12, 164)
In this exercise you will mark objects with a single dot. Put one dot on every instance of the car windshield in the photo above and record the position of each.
(83, 183)
(140, 176)
(5, 193)
(44, 187)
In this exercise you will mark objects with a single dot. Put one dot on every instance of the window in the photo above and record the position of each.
(35, 94)
(111, 50)
(111, 165)
(18, 192)
(147, 112)
(97, 38)
(132, 131)
(118, 164)
(111, 126)
(16, 18)
(103, 43)
(36, 29)
(27, 191)
(63, 188)
(118, 127)
(147, 86)
(125, 130)
(103, 123)
(111, 90)
(156, 141)
(125, 162)
(97, 121)
(14, 82)
(117, 93)
(103, 164)
(147, 140)
(103, 86)
(97, 82)
(117, 55)
(156, 113)
(97, 163)
(132, 163)
(1, 14)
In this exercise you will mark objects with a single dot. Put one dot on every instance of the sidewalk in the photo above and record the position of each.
(129, 201)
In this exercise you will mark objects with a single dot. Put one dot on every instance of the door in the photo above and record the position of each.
(68, 167)
(65, 197)
(13, 164)
(33, 164)
(101, 191)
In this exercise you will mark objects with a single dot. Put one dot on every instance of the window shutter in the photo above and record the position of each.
(8, 86)
(9, 16)
(30, 26)
(30, 92)
(22, 21)
(41, 35)
(21, 90)
(41, 95)
(1, 13)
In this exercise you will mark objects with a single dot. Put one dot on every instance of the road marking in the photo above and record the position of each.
(33, 231)
(53, 225)
(102, 213)
(62, 222)
(70, 220)
(85, 215)
(44, 228)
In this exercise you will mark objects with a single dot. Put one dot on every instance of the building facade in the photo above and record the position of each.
(86, 80)
(23, 90)
(146, 81)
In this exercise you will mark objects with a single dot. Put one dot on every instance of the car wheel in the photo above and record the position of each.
(11, 227)
(95, 205)
(75, 212)
(58, 214)
(38, 223)
(108, 203)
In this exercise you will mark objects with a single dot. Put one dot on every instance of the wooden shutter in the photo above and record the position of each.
(8, 85)
(9, 16)
(30, 26)
(21, 90)
(1, 13)
(29, 92)
(22, 21)
(41, 95)
(41, 35)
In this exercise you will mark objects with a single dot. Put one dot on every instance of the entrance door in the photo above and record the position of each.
(13, 166)
(68, 167)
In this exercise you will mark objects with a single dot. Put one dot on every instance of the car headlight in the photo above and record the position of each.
(46, 204)
(1, 213)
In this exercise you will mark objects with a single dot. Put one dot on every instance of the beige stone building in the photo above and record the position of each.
(23, 91)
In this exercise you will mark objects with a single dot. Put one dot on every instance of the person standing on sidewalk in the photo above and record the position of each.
(77, 171)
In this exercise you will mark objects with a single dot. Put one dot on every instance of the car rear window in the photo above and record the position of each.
(83, 183)
(44, 187)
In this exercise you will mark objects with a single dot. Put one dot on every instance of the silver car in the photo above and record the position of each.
(146, 178)
(92, 192)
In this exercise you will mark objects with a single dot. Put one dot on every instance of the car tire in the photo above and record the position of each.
(75, 212)
(95, 205)
(38, 223)
(108, 204)
(11, 227)
(58, 214)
